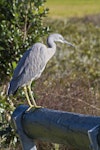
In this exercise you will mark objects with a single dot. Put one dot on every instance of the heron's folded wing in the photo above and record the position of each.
(31, 64)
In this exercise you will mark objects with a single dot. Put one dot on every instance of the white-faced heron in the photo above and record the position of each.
(32, 64)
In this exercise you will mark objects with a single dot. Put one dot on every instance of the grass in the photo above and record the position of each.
(70, 8)
(71, 80)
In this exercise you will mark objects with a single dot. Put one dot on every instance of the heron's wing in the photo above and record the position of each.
(21, 64)
(31, 64)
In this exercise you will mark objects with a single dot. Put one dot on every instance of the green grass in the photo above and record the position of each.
(70, 8)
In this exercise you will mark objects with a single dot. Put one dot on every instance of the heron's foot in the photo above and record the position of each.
(32, 107)
(38, 106)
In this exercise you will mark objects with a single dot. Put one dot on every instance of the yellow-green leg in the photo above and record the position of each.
(30, 92)
(27, 97)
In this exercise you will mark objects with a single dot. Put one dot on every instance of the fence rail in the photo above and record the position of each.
(75, 130)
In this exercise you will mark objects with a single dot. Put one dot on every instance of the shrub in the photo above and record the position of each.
(21, 24)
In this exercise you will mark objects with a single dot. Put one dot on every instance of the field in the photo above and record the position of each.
(70, 8)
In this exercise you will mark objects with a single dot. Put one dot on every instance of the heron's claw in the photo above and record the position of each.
(32, 108)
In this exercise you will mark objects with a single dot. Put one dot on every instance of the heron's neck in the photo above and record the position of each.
(51, 48)
(51, 44)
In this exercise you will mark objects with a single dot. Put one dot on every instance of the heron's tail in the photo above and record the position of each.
(12, 88)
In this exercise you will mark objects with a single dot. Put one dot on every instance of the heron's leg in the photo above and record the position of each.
(26, 94)
(30, 92)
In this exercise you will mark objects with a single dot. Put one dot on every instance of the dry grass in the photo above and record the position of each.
(68, 95)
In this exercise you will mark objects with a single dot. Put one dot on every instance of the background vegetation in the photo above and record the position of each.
(71, 80)
(70, 8)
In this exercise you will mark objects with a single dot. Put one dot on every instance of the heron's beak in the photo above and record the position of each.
(69, 43)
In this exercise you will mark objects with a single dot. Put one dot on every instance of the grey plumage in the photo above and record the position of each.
(29, 67)
(32, 64)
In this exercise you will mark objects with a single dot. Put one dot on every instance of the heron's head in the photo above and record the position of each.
(60, 38)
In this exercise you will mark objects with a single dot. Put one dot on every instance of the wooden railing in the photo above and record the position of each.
(74, 130)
